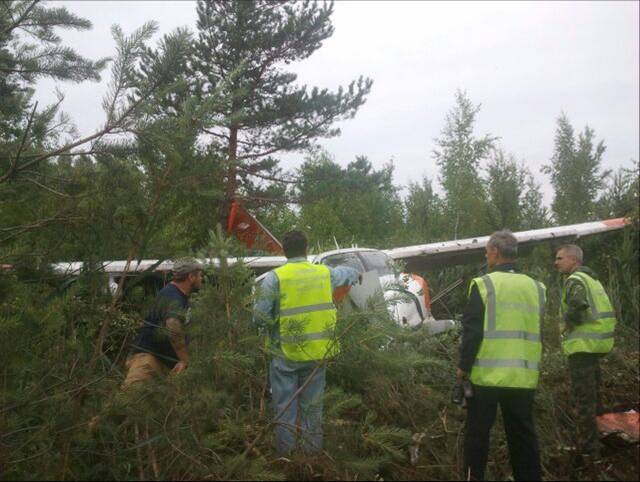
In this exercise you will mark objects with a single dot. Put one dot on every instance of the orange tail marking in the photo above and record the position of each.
(340, 293)
(616, 222)
(250, 231)
(425, 289)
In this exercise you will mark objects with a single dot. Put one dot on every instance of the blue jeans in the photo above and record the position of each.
(304, 414)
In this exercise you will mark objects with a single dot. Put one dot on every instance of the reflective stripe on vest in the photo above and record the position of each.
(307, 317)
(596, 335)
(307, 336)
(589, 336)
(306, 309)
(512, 335)
(510, 350)
(501, 363)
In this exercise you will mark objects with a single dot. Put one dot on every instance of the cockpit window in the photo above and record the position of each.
(377, 261)
(344, 259)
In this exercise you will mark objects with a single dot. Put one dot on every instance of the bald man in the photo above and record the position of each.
(589, 322)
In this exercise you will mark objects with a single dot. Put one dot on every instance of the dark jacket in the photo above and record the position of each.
(575, 295)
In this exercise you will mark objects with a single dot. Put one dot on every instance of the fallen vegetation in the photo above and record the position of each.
(388, 413)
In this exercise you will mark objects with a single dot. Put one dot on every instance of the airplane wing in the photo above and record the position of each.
(260, 264)
(416, 258)
(470, 250)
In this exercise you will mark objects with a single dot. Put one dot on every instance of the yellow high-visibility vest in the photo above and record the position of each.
(511, 349)
(596, 335)
(307, 313)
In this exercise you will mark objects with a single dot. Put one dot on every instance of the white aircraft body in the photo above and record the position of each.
(407, 295)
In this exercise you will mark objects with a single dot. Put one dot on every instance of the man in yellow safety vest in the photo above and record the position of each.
(294, 305)
(589, 323)
(500, 352)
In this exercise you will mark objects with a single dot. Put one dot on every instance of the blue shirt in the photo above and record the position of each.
(266, 308)
(153, 336)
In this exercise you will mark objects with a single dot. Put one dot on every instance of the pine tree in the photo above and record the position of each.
(459, 154)
(240, 52)
(31, 49)
(575, 173)
(31, 195)
(87, 190)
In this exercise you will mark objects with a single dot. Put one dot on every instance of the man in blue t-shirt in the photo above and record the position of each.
(161, 344)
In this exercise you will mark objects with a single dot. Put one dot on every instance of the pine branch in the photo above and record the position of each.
(90, 152)
(290, 144)
(22, 16)
(14, 163)
(96, 135)
(51, 190)
(216, 134)
(37, 224)
(268, 199)
(266, 177)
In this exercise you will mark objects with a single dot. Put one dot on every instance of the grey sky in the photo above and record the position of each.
(525, 62)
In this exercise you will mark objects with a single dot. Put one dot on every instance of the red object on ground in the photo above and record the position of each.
(624, 424)
(250, 231)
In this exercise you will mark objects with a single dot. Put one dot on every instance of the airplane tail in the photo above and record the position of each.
(250, 231)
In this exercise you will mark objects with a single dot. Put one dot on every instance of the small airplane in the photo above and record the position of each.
(406, 294)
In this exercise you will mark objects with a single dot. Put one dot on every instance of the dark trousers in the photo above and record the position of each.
(516, 405)
(584, 369)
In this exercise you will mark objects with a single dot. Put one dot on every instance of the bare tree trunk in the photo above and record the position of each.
(232, 172)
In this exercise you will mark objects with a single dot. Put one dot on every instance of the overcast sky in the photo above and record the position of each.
(525, 62)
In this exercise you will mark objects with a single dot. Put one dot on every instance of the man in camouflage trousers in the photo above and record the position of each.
(589, 322)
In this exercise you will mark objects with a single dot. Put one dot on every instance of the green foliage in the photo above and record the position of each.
(620, 197)
(388, 392)
(32, 48)
(535, 214)
(505, 186)
(425, 217)
(614, 264)
(575, 173)
(514, 199)
(158, 190)
(240, 52)
(356, 204)
(458, 155)
(122, 185)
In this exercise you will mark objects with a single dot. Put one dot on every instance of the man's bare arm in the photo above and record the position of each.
(179, 343)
